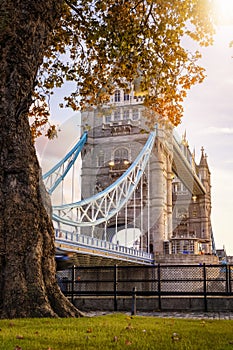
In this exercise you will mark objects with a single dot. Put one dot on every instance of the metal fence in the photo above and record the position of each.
(158, 280)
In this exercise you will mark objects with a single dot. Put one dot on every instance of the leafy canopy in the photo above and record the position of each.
(101, 44)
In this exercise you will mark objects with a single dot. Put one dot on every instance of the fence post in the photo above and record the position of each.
(205, 287)
(230, 280)
(134, 298)
(72, 283)
(115, 287)
(159, 287)
(227, 279)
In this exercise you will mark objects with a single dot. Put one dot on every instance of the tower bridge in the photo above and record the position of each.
(143, 196)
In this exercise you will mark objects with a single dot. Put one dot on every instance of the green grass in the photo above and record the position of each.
(115, 331)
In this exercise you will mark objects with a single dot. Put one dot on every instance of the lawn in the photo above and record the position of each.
(117, 331)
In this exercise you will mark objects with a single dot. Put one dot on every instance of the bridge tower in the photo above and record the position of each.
(192, 231)
(116, 134)
(171, 207)
(205, 204)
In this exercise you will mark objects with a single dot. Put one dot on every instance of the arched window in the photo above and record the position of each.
(117, 116)
(121, 154)
(126, 96)
(117, 96)
(126, 114)
(108, 119)
(135, 114)
(100, 159)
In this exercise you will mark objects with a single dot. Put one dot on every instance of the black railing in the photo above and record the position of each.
(148, 281)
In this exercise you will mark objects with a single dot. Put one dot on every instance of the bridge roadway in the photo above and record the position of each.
(84, 250)
(80, 250)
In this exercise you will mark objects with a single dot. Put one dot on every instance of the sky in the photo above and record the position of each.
(207, 121)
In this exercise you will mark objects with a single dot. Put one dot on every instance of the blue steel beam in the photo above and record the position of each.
(105, 204)
(72, 155)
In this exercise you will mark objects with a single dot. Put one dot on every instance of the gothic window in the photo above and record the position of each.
(126, 96)
(175, 247)
(176, 186)
(117, 115)
(100, 159)
(126, 114)
(191, 246)
(108, 119)
(117, 96)
(185, 246)
(121, 154)
(135, 114)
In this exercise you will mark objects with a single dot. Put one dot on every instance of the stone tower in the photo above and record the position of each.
(192, 231)
(116, 134)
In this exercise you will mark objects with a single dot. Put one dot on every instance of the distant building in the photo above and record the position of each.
(230, 260)
(222, 254)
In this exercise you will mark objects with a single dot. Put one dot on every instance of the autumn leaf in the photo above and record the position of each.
(19, 336)
(102, 45)
(129, 327)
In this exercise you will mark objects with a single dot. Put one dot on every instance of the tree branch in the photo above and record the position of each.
(74, 9)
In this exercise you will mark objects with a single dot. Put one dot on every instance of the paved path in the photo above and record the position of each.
(190, 315)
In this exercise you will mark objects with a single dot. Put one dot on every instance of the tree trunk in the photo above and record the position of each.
(28, 286)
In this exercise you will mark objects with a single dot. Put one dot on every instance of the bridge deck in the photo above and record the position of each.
(85, 250)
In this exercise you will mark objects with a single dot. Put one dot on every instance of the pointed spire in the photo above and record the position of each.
(184, 135)
(194, 154)
(184, 139)
(203, 161)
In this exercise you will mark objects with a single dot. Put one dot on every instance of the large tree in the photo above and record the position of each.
(100, 45)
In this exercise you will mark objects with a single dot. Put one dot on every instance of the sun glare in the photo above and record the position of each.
(224, 11)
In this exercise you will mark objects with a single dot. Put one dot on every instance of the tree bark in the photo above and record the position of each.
(28, 286)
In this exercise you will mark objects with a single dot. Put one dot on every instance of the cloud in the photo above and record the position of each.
(229, 161)
(219, 131)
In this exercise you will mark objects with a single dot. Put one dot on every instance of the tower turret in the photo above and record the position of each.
(205, 202)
